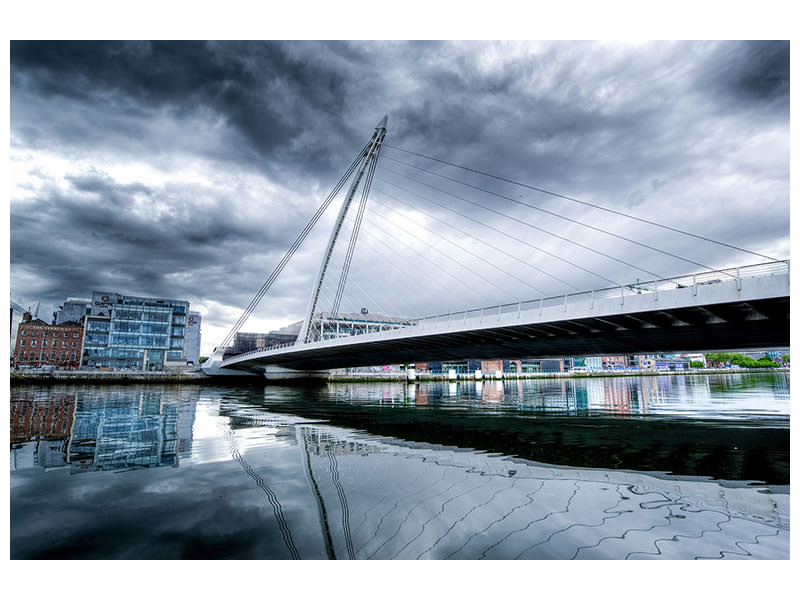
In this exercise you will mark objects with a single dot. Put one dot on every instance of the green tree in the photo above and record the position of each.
(766, 361)
(785, 358)
(734, 358)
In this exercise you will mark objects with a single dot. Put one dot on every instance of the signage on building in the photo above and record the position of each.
(105, 300)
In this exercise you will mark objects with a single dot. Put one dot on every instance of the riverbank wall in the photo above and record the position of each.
(198, 377)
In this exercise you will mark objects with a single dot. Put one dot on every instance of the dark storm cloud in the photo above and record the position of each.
(268, 97)
(752, 73)
(250, 136)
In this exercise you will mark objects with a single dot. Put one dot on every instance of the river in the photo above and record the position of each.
(673, 466)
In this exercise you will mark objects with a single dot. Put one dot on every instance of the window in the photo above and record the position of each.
(33, 343)
(63, 344)
(45, 333)
(72, 356)
(75, 335)
(55, 334)
(24, 332)
(22, 343)
(74, 344)
(44, 344)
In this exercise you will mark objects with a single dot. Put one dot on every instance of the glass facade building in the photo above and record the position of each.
(131, 332)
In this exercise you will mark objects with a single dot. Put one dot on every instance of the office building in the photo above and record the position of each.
(192, 345)
(133, 332)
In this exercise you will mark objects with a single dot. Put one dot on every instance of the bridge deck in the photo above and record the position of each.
(711, 313)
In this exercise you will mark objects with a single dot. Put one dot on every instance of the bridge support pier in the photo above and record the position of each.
(276, 373)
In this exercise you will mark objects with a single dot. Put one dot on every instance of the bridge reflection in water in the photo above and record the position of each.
(666, 467)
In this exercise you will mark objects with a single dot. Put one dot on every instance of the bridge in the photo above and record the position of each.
(709, 309)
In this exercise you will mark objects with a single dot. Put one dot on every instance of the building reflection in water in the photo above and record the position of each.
(113, 430)
(620, 396)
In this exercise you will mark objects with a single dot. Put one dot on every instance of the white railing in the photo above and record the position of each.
(488, 313)
(259, 350)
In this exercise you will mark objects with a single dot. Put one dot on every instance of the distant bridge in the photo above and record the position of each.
(713, 310)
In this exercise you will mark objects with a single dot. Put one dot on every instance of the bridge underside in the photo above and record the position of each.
(713, 327)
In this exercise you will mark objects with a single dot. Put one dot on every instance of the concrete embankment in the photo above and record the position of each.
(198, 377)
(400, 376)
(77, 376)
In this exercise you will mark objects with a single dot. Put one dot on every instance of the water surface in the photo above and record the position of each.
(614, 468)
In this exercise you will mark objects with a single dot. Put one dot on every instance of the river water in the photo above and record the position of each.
(675, 466)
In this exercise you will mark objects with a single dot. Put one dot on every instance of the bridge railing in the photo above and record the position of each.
(496, 312)
(258, 350)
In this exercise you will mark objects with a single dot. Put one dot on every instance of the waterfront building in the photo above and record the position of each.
(16, 318)
(246, 341)
(614, 362)
(133, 332)
(40, 344)
(668, 363)
(695, 357)
(73, 309)
(594, 363)
(192, 345)
(328, 326)
(552, 365)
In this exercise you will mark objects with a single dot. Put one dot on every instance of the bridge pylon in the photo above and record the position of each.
(365, 164)
(369, 160)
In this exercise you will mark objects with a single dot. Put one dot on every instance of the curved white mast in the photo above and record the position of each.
(369, 155)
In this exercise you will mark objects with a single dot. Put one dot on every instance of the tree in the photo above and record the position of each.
(746, 362)
(785, 358)
(697, 364)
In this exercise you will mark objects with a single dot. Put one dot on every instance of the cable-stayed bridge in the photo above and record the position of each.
(469, 269)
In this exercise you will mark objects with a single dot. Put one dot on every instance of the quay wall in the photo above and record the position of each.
(198, 377)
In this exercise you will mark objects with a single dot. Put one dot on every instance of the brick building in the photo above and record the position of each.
(40, 344)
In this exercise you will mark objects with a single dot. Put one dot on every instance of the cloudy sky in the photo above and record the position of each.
(185, 169)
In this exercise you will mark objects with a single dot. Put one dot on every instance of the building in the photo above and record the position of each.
(328, 326)
(696, 357)
(665, 363)
(246, 342)
(612, 363)
(192, 345)
(73, 309)
(40, 344)
(133, 332)
(17, 313)
(552, 365)
(594, 363)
